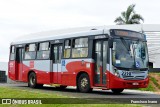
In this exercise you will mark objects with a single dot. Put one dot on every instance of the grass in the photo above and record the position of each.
(75, 105)
(155, 82)
(149, 88)
(159, 74)
(6, 92)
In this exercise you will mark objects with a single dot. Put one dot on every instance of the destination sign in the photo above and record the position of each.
(129, 34)
(100, 37)
(19, 45)
(56, 41)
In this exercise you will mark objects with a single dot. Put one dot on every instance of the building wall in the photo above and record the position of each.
(153, 42)
(4, 67)
(156, 64)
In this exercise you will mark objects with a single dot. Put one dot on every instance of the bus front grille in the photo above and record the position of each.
(133, 77)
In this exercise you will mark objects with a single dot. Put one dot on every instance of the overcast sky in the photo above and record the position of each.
(21, 17)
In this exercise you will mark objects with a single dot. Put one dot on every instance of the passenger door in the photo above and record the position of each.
(19, 63)
(57, 54)
(100, 58)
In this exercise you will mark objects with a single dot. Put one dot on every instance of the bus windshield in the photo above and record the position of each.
(129, 53)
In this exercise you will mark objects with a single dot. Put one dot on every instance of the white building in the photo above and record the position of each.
(4, 67)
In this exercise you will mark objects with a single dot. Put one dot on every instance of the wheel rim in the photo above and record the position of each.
(32, 80)
(84, 83)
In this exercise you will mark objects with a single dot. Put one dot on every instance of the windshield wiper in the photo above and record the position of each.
(125, 44)
(133, 47)
(128, 49)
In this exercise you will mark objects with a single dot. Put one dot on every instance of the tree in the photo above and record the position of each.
(129, 17)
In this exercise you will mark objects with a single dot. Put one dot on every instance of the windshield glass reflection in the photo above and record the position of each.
(130, 53)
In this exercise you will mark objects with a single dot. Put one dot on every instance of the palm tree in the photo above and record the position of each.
(129, 17)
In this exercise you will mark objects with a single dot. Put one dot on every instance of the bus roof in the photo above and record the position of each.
(58, 34)
(62, 34)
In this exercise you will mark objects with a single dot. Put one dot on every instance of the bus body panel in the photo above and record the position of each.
(12, 70)
(40, 67)
(68, 77)
(19, 71)
(15, 70)
(71, 68)
(116, 82)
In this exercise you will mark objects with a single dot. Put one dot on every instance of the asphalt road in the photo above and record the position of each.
(96, 93)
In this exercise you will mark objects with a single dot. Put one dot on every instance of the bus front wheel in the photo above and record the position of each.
(84, 83)
(117, 91)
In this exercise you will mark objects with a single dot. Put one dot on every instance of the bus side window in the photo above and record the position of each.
(12, 53)
(43, 51)
(60, 54)
(30, 51)
(67, 48)
(80, 48)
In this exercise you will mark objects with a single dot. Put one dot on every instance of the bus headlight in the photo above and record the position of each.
(116, 73)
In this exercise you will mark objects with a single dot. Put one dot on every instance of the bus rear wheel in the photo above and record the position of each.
(83, 83)
(117, 91)
(32, 81)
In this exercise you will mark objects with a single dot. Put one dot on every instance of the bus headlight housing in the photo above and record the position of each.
(116, 73)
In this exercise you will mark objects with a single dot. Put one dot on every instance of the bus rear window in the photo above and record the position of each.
(12, 53)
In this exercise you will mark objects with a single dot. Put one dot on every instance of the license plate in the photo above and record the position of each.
(135, 83)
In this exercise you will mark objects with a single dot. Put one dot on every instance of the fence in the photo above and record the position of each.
(154, 70)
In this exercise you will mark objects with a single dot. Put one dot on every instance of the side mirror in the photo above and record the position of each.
(110, 42)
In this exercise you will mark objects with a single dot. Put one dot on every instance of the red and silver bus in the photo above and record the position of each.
(115, 59)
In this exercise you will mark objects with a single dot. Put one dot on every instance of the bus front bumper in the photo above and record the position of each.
(116, 82)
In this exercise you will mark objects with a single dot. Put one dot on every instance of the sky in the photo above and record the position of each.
(21, 17)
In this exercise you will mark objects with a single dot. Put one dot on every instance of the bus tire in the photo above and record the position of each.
(84, 83)
(32, 81)
(117, 91)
